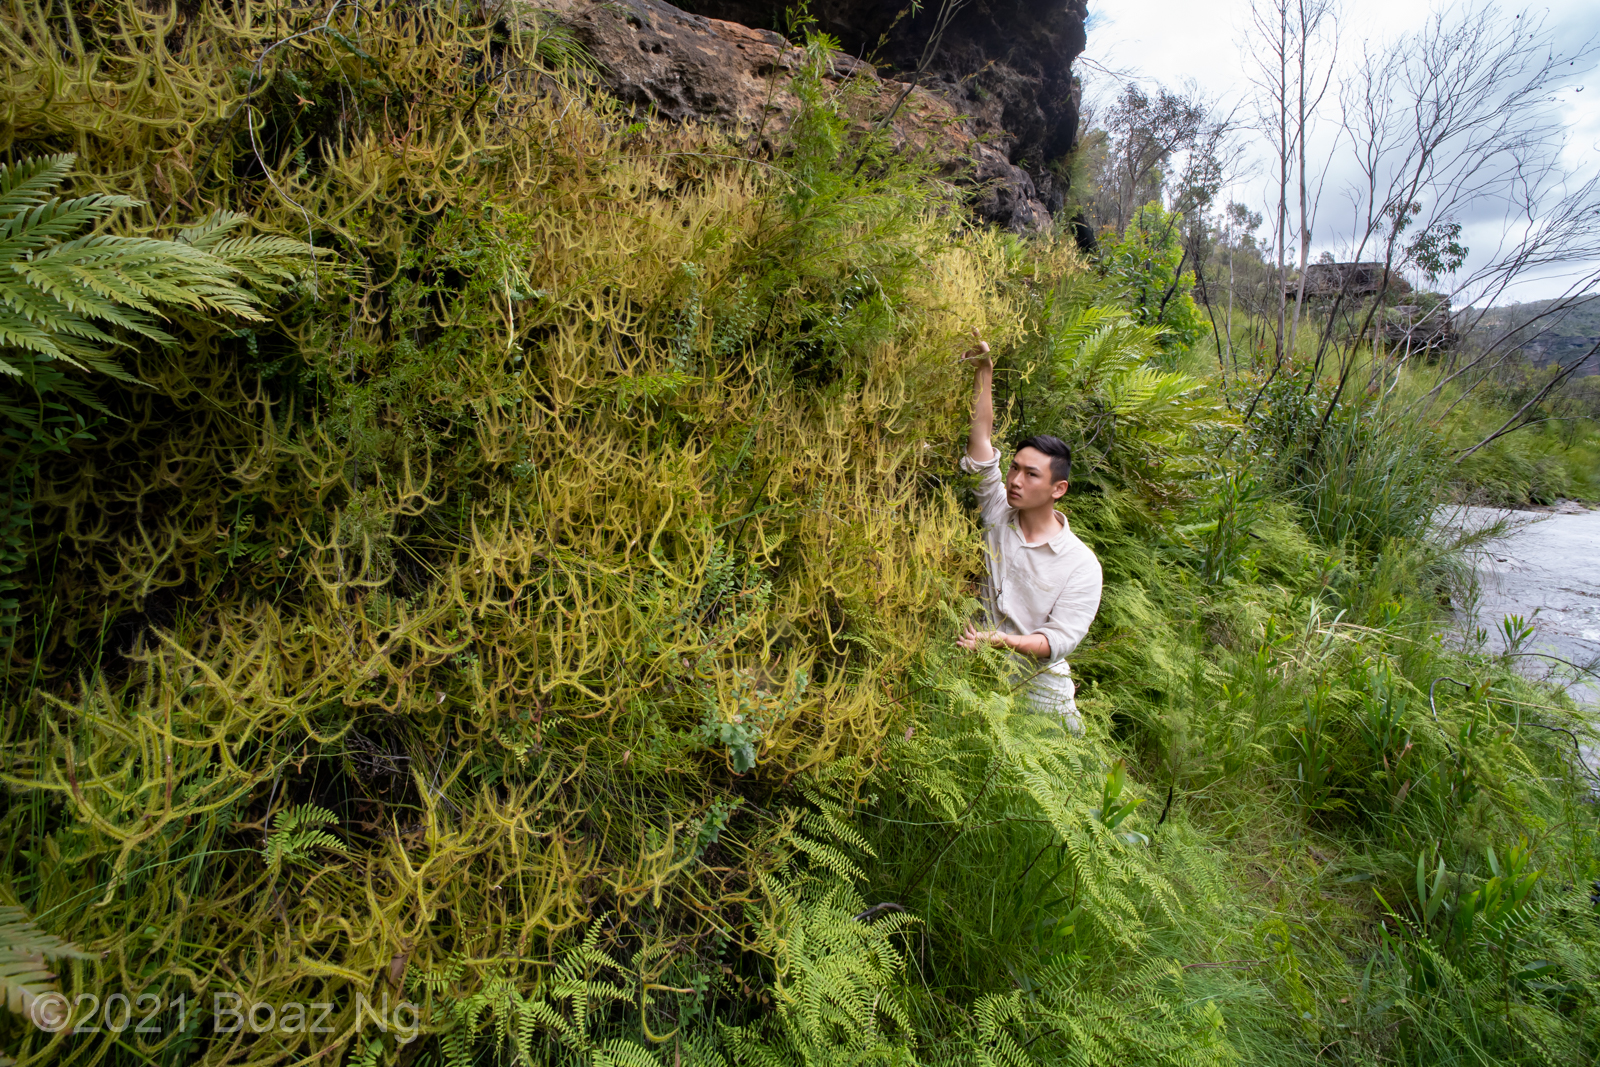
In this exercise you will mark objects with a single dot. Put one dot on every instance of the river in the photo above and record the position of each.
(1545, 568)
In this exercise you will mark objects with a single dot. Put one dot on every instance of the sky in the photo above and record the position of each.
(1171, 41)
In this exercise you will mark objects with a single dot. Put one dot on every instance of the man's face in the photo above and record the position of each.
(1029, 483)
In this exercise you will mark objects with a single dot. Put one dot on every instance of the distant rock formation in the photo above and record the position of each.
(1563, 330)
(1419, 328)
(996, 102)
(1352, 279)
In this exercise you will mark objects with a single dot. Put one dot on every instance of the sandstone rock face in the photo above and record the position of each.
(1354, 280)
(668, 62)
(1004, 64)
(1419, 327)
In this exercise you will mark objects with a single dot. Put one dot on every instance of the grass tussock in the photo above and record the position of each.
(547, 615)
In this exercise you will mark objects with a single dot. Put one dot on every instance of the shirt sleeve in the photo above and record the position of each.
(991, 488)
(1073, 610)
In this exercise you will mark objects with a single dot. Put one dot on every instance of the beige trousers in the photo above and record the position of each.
(1054, 694)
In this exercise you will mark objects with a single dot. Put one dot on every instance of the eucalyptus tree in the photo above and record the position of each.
(1293, 49)
(1168, 141)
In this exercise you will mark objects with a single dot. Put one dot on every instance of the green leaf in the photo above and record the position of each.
(62, 290)
(24, 947)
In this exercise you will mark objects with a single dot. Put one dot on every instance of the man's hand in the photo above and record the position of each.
(973, 638)
(978, 354)
(1035, 645)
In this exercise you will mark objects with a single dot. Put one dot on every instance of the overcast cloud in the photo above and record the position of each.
(1168, 41)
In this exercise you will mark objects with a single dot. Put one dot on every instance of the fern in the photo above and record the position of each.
(295, 834)
(839, 975)
(365, 1053)
(1132, 424)
(839, 969)
(995, 1045)
(61, 289)
(24, 947)
(65, 295)
(566, 1009)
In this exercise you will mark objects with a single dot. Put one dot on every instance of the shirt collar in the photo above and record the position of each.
(1056, 544)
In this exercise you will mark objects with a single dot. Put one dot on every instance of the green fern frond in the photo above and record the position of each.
(264, 261)
(1074, 329)
(60, 289)
(620, 1053)
(828, 824)
(994, 1045)
(365, 1054)
(30, 181)
(295, 834)
(567, 1008)
(838, 976)
(24, 947)
(303, 816)
(827, 856)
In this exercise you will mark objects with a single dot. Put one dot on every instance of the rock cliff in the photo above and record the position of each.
(995, 100)
(1005, 64)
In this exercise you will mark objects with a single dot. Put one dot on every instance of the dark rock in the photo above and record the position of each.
(682, 66)
(1005, 64)
(1004, 193)
(1416, 328)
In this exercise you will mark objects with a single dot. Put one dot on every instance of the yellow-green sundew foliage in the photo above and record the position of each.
(582, 495)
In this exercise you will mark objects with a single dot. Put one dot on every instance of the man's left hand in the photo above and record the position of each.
(973, 637)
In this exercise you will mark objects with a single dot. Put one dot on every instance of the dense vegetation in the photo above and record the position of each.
(546, 613)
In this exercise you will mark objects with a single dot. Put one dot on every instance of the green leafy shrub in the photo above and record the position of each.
(1145, 265)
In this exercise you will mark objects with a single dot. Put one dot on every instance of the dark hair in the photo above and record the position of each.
(1059, 451)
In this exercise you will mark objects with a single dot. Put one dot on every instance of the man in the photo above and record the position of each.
(1043, 587)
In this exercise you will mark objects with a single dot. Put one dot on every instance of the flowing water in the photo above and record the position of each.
(1546, 569)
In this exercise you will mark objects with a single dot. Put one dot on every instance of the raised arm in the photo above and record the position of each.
(978, 438)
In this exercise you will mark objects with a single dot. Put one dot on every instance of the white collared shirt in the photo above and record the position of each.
(1047, 587)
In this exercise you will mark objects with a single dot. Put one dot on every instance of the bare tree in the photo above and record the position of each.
(1451, 134)
(1455, 122)
(1294, 47)
(1237, 233)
